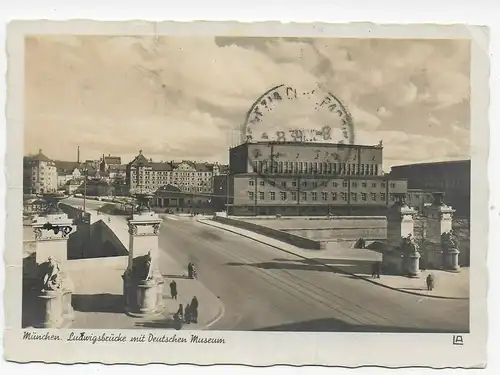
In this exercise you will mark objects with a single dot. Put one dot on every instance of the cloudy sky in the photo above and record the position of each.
(183, 97)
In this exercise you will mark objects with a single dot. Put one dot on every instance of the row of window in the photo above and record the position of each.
(351, 169)
(168, 173)
(284, 195)
(315, 184)
(175, 182)
(187, 180)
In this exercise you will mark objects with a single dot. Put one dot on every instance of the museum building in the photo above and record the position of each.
(298, 178)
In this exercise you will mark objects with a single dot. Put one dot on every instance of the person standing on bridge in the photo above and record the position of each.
(376, 268)
(173, 289)
(430, 282)
(194, 309)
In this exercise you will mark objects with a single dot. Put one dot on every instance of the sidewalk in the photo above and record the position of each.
(357, 263)
(98, 295)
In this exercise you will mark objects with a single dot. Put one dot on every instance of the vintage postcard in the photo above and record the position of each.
(257, 194)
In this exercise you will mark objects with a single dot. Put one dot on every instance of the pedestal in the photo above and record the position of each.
(413, 265)
(142, 281)
(55, 309)
(143, 297)
(451, 260)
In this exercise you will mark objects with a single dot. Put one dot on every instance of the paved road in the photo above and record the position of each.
(263, 288)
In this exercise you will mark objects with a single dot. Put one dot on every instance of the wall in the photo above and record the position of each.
(273, 233)
(71, 211)
(238, 159)
(343, 228)
(117, 262)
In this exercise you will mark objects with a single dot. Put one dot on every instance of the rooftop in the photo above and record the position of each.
(309, 144)
(141, 160)
(38, 157)
(433, 163)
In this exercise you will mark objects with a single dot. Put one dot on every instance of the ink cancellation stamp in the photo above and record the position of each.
(343, 205)
(328, 118)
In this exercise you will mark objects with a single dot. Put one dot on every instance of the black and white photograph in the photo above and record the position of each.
(188, 186)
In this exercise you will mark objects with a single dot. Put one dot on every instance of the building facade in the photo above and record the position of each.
(450, 177)
(112, 169)
(39, 174)
(66, 171)
(267, 178)
(187, 176)
(306, 158)
(171, 198)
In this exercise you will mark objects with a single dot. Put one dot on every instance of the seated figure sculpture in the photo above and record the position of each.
(448, 241)
(51, 275)
(409, 244)
(142, 269)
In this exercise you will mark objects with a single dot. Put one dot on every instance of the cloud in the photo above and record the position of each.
(175, 96)
(383, 112)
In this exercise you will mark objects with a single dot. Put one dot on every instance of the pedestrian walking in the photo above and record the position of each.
(179, 315)
(430, 282)
(173, 289)
(376, 269)
(187, 314)
(190, 270)
(379, 269)
(194, 309)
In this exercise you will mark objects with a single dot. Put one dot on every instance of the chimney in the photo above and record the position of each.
(78, 155)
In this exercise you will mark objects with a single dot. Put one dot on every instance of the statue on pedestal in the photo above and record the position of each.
(55, 293)
(51, 271)
(142, 269)
(448, 241)
(143, 287)
(409, 245)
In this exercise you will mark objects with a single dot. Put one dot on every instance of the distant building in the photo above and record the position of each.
(72, 185)
(187, 176)
(96, 188)
(450, 177)
(66, 171)
(172, 197)
(292, 178)
(420, 198)
(39, 174)
(112, 169)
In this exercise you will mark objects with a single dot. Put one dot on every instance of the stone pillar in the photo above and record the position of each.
(439, 218)
(143, 282)
(400, 221)
(51, 235)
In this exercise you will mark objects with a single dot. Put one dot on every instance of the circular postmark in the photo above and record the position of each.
(283, 120)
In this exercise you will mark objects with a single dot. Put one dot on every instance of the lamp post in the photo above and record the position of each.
(227, 193)
(85, 176)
